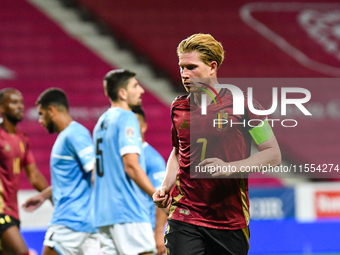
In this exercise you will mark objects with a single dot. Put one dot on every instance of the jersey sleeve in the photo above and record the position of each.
(174, 137)
(260, 130)
(254, 118)
(82, 147)
(129, 134)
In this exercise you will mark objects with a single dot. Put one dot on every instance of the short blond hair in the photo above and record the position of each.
(208, 48)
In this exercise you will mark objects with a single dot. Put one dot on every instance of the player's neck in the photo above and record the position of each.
(8, 126)
(121, 104)
(197, 97)
(63, 121)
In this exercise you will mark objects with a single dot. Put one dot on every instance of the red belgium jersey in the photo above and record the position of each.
(220, 203)
(15, 153)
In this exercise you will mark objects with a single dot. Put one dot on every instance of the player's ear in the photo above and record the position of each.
(213, 67)
(143, 127)
(122, 94)
(51, 110)
(105, 87)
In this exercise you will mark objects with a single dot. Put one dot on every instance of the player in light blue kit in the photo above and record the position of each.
(72, 161)
(155, 169)
(121, 211)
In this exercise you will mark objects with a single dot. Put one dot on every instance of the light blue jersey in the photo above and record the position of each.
(72, 159)
(118, 199)
(155, 169)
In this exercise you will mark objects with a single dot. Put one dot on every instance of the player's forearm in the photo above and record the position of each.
(39, 183)
(36, 201)
(46, 193)
(36, 179)
(160, 221)
(269, 155)
(136, 173)
(269, 152)
(171, 170)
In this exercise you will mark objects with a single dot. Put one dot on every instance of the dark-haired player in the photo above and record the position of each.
(72, 161)
(121, 209)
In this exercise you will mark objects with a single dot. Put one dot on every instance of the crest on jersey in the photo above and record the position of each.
(129, 132)
(222, 120)
(7, 147)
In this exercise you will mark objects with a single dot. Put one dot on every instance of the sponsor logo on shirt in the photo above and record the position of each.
(182, 211)
(184, 125)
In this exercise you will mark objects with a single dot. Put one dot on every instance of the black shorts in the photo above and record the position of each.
(186, 239)
(6, 222)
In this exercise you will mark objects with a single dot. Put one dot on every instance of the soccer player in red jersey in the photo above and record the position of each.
(15, 154)
(210, 215)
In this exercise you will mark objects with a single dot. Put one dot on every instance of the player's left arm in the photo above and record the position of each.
(160, 220)
(36, 201)
(269, 153)
(35, 177)
(136, 173)
(37, 180)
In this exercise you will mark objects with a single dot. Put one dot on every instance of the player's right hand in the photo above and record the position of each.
(33, 203)
(161, 198)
